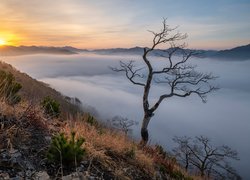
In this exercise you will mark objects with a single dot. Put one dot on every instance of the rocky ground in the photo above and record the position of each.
(25, 141)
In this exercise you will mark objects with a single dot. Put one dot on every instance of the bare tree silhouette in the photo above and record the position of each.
(209, 160)
(181, 78)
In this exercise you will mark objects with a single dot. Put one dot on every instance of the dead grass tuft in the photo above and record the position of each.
(18, 123)
(111, 148)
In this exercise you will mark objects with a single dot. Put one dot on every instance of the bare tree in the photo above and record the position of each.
(201, 155)
(182, 151)
(123, 124)
(180, 77)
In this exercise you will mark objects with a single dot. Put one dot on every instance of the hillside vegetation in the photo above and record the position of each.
(72, 145)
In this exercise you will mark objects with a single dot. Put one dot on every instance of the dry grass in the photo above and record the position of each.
(15, 123)
(112, 149)
(34, 91)
(14, 111)
(115, 150)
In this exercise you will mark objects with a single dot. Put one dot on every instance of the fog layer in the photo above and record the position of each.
(225, 118)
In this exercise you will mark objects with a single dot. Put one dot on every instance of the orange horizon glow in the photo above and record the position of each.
(120, 24)
(2, 42)
(24, 38)
(7, 38)
(11, 39)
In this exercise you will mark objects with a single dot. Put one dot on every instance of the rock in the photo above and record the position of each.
(14, 155)
(4, 176)
(28, 173)
(84, 163)
(47, 139)
(42, 175)
(75, 176)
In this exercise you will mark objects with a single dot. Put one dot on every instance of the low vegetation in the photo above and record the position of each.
(102, 153)
(50, 106)
(9, 88)
(34, 91)
(66, 151)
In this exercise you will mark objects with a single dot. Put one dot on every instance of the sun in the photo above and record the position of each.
(2, 42)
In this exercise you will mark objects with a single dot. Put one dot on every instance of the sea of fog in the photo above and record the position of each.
(225, 118)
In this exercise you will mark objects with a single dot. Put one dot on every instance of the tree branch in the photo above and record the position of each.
(130, 72)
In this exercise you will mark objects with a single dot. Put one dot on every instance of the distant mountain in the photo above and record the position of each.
(237, 53)
(131, 51)
(156, 52)
(23, 50)
(73, 49)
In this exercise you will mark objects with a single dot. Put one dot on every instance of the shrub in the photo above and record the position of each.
(130, 153)
(177, 175)
(160, 150)
(9, 88)
(66, 151)
(51, 107)
(91, 120)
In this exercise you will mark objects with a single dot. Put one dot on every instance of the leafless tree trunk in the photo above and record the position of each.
(182, 151)
(181, 77)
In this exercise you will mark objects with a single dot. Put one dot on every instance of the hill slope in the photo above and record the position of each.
(26, 134)
(237, 53)
(34, 91)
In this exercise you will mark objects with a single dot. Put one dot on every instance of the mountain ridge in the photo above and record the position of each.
(239, 52)
(25, 50)
(236, 53)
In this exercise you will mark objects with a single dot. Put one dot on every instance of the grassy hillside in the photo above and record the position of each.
(34, 91)
(27, 135)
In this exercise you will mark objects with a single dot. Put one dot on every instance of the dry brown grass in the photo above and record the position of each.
(20, 122)
(14, 111)
(112, 149)
(34, 91)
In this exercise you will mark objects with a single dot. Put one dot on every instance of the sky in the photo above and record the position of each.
(210, 24)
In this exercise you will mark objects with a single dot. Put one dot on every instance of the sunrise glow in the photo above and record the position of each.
(117, 23)
(2, 42)
(8, 38)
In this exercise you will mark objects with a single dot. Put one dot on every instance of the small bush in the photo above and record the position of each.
(66, 151)
(160, 150)
(91, 120)
(130, 153)
(51, 107)
(9, 88)
(177, 175)
(162, 168)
